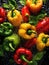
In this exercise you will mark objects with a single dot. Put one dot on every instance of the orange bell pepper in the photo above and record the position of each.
(34, 5)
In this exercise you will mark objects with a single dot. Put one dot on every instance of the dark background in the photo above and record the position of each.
(7, 59)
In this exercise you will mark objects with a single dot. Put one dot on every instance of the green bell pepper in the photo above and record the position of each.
(6, 29)
(11, 42)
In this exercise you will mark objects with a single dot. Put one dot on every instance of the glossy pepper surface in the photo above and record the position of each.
(25, 13)
(43, 26)
(22, 52)
(11, 42)
(6, 29)
(14, 17)
(34, 5)
(27, 31)
(30, 43)
(42, 41)
(2, 15)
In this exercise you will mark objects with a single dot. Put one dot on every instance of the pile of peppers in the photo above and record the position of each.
(15, 27)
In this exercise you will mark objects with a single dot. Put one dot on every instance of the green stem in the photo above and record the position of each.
(29, 32)
(11, 46)
(44, 39)
(34, 1)
(23, 58)
(13, 13)
(44, 1)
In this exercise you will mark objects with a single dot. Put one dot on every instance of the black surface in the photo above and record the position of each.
(5, 60)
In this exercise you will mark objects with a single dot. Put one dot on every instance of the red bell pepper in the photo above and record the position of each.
(30, 43)
(22, 52)
(2, 15)
(43, 26)
(25, 13)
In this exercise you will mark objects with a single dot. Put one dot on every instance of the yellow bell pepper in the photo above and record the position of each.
(27, 31)
(14, 17)
(34, 5)
(42, 41)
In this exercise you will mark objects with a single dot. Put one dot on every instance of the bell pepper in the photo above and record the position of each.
(22, 52)
(27, 31)
(2, 15)
(43, 26)
(34, 5)
(11, 42)
(42, 41)
(25, 13)
(24, 56)
(30, 43)
(6, 29)
(14, 17)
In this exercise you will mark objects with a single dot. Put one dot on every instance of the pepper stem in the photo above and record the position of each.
(44, 39)
(13, 13)
(11, 46)
(29, 32)
(35, 1)
(23, 58)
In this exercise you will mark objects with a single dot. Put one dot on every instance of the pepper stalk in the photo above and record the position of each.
(36, 58)
(23, 58)
(34, 1)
